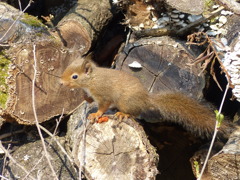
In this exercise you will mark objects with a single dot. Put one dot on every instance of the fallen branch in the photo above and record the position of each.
(35, 113)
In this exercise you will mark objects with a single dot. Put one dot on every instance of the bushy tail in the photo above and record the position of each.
(180, 109)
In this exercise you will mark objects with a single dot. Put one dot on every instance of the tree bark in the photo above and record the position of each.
(166, 65)
(55, 49)
(223, 164)
(81, 27)
(111, 150)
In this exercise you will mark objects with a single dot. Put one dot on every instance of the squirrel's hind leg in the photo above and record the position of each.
(121, 116)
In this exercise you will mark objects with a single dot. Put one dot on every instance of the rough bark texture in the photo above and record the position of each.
(165, 65)
(31, 157)
(55, 50)
(83, 24)
(224, 164)
(231, 59)
(111, 150)
(187, 6)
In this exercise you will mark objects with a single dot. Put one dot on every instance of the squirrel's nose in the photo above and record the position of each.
(64, 83)
(61, 82)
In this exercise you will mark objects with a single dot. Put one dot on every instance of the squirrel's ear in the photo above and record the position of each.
(87, 66)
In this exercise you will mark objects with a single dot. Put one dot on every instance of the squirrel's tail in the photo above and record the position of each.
(187, 112)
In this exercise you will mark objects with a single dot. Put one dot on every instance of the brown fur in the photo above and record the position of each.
(112, 87)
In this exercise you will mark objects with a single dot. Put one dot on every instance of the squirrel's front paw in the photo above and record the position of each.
(121, 116)
(93, 117)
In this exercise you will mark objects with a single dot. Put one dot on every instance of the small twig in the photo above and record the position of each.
(34, 167)
(214, 134)
(35, 113)
(185, 29)
(83, 150)
(210, 55)
(11, 133)
(152, 32)
(22, 12)
(213, 73)
(20, 5)
(13, 160)
(128, 37)
(53, 137)
(221, 64)
(5, 159)
(4, 178)
(58, 122)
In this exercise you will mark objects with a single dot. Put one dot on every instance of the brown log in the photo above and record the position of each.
(191, 7)
(83, 24)
(166, 65)
(30, 156)
(55, 50)
(224, 164)
(111, 150)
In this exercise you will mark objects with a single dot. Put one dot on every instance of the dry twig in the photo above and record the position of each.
(187, 28)
(214, 134)
(209, 56)
(13, 160)
(22, 12)
(35, 113)
(2, 136)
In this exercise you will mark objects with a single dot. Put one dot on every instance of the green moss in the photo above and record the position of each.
(209, 3)
(32, 21)
(208, 7)
(4, 62)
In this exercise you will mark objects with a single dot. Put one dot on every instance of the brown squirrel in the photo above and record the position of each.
(113, 87)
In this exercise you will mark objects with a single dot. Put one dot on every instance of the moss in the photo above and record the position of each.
(4, 62)
(32, 21)
(208, 7)
(209, 3)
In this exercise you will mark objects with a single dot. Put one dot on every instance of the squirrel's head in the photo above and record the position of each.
(78, 73)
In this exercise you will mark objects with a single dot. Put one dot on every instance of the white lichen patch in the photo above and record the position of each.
(26, 157)
(231, 62)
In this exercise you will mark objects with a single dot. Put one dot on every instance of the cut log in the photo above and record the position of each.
(111, 150)
(54, 51)
(31, 157)
(187, 6)
(51, 58)
(81, 27)
(225, 164)
(51, 97)
(164, 64)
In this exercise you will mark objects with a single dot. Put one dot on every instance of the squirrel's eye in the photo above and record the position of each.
(74, 76)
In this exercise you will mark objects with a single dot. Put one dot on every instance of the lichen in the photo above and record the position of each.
(4, 62)
(31, 21)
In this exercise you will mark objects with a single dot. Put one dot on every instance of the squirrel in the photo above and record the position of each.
(114, 87)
